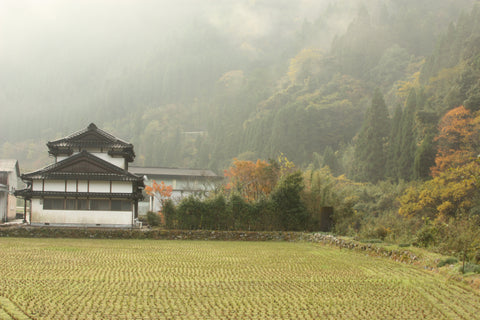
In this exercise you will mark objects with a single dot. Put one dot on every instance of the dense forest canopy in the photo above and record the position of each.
(195, 85)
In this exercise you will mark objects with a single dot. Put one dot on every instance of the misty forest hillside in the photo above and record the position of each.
(196, 85)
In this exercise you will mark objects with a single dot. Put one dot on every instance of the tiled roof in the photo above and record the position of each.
(159, 171)
(9, 165)
(91, 136)
(99, 169)
(81, 176)
(92, 128)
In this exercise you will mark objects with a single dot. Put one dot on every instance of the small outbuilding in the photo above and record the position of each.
(184, 182)
(9, 174)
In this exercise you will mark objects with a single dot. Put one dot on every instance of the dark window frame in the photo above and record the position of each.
(95, 204)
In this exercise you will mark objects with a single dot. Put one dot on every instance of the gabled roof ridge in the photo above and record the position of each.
(82, 154)
(91, 128)
(85, 153)
(172, 171)
(179, 168)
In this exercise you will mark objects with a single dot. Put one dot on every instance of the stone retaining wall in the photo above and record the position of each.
(404, 256)
(158, 234)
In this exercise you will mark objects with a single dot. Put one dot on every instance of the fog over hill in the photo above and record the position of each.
(124, 64)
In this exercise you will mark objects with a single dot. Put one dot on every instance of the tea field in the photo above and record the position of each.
(148, 279)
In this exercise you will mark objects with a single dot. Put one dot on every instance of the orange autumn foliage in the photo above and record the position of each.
(458, 140)
(161, 192)
(251, 179)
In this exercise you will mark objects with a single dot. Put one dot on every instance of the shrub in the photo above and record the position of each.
(190, 212)
(469, 268)
(446, 261)
(286, 197)
(267, 219)
(169, 211)
(426, 236)
(153, 219)
(372, 241)
(215, 214)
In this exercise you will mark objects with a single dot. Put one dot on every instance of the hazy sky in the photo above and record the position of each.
(56, 27)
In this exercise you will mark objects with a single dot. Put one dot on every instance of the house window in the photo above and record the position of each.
(121, 205)
(4, 178)
(82, 204)
(85, 204)
(70, 204)
(53, 204)
(100, 204)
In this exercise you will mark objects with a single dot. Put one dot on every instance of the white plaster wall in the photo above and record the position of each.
(12, 207)
(82, 186)
(99, 186)
(12, 180)
(37, 185)
(54, 185)
(122, 187)
(119, 162)
(71, 185)
(36, 208)
(3, 206)
(66, 217)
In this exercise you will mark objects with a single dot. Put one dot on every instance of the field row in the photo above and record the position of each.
(145, 279)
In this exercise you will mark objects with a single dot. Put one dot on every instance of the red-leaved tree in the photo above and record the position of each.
(161, 192)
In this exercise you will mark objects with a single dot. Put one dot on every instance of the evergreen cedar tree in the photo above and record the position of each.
(407, 141)
(370, 153)
(394, 150)
(388, 148)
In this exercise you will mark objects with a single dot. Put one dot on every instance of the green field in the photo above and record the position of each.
(148, 279)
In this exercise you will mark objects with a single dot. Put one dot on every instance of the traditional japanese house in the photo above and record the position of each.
(87, 185)
(9, 174)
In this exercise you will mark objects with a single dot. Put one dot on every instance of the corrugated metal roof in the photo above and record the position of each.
(159, 171)
(9, 165)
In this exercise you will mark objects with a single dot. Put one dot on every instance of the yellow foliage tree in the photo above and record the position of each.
(452, 191)
(404, 87)
(307, 63)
